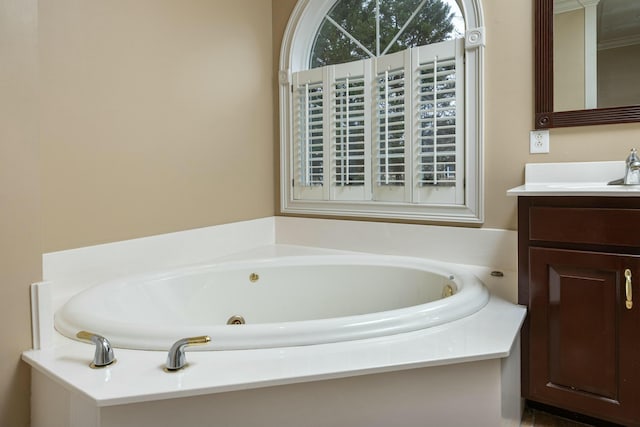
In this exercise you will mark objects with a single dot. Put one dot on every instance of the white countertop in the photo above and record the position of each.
(574, 179)
(138, 376)
(600, 189)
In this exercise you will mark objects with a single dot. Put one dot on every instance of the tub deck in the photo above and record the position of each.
(138, 376)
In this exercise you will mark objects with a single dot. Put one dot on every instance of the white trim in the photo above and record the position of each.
(303, 24)
(619, 42)
(590, 54)
(563, 6)
(41, 315)
(474, 118)
(590, 38)
(474, 38)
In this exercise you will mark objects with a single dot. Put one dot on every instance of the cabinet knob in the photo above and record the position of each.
(629, 302)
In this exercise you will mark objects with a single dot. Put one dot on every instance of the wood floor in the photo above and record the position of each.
(537, 418)
(539, 415)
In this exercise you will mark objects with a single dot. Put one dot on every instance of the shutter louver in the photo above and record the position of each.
(310, 117)
(349, 125)
(438, 169)
(390, 127)
(436, 163)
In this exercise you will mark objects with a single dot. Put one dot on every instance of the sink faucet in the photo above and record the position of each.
(632, 174)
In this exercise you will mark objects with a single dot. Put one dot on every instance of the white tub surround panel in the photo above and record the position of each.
(486, 247)
(82, 267)
(482, 250)
(76, 269)
(94, 264)
(444, 396)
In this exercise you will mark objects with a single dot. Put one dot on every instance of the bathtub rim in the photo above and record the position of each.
(472, 295)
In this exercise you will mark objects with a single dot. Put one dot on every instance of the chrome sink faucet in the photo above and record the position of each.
(632, 174)
(632, 171)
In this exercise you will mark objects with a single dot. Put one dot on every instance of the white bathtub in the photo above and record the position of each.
(286, 301)
(400, 379)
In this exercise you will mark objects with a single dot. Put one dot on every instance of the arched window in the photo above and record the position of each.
(357, 29)
(381, 109)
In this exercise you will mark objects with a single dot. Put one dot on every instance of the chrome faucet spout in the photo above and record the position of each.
(104, 352)
(176, 358)
(632, 174)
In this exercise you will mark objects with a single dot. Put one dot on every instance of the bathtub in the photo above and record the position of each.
(363, 372)
(275, 302)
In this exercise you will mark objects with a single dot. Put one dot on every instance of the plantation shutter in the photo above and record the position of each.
(351, 130)
(392, 122)
(309, 105)
(439, 123)
(389, 129)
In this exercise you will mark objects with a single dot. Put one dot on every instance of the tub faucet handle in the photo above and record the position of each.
(104, 352)
(176, 358)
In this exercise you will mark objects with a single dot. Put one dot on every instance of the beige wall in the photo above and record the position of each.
(156, 116)
(569, 61)
(20, 232)
(509, 109)
(618, 76)
(121, 119)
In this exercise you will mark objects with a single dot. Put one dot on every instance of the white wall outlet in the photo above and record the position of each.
(539, 141)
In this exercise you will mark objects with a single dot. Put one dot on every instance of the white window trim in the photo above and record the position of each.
(304, 23)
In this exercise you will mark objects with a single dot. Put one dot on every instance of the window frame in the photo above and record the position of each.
(303, 25)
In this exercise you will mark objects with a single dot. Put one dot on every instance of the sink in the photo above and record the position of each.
(594, 186)
(575, 179)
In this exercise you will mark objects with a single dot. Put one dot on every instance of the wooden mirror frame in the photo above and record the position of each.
(545, 117)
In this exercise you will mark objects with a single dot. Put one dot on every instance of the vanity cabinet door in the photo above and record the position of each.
(584, 343)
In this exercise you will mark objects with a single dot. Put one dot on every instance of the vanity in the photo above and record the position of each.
(578, 238)
(578, 271)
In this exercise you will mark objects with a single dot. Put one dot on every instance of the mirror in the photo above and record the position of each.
(587, 61)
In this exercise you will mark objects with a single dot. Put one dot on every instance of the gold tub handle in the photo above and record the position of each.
(176, 359)
(198, 340)
(104, 351)
(628, 290)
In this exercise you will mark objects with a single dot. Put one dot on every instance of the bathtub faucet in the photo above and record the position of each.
(176, 358)
(104, 352)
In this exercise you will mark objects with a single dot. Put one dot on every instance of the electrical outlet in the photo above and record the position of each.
(539, 141)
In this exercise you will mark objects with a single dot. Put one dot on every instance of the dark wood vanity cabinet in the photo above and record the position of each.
(581, 341)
